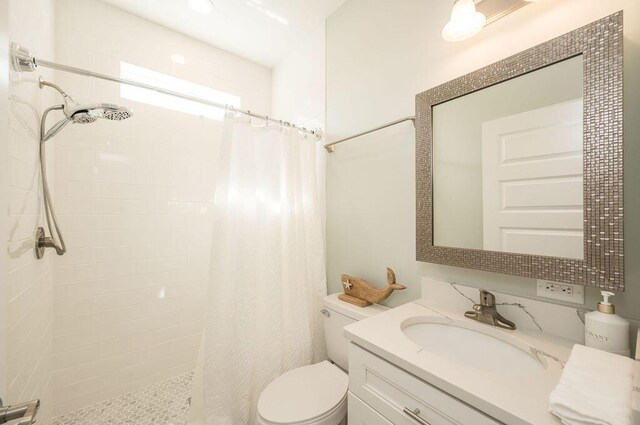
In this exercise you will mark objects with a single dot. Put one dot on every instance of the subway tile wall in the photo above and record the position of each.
(134, 200)
(27, 305)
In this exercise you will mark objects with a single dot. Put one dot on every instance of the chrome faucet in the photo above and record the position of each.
(26, 412)
(486, 312)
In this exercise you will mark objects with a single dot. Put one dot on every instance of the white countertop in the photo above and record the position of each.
(510, 399)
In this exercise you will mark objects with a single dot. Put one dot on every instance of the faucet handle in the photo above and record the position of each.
(487, 299)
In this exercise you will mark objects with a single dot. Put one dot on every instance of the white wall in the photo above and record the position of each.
(298, 93)
(379, 56)
(298, 88)
(134, 200)
(27, 295)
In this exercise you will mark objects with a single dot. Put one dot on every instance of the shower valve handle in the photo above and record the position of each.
(48, 242)
(43, 242)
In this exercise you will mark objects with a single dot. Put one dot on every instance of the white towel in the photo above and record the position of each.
(594, 389)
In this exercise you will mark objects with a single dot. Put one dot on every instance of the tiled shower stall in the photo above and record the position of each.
(134, 198)
(122, 311)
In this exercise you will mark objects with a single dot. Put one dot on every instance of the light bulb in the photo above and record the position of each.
(465, 21)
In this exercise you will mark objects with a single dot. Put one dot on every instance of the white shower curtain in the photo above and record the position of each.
(267, 274)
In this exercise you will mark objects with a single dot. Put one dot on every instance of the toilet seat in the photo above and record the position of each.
(315, 394)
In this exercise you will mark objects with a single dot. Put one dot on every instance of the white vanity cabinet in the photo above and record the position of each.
(382, 393)
(361, 414)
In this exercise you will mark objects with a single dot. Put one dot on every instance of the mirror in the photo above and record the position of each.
(519, 165)
(507, 165)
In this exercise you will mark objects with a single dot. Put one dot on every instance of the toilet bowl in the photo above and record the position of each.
(308, 395)
(316, 394)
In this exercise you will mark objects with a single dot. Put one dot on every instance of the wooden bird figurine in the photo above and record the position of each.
(359, 292)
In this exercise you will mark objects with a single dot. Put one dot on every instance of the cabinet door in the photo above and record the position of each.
(361, 414)
(390, 390)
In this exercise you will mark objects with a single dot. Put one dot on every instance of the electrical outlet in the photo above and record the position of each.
(560, 291)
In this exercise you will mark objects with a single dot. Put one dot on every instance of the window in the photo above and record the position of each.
(150, 97)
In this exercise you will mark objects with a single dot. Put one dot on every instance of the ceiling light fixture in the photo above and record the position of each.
(465, 21)
(203, 7)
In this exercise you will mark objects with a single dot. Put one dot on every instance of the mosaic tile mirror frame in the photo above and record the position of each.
(601, 46)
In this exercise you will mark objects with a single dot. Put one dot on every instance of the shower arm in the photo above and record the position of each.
(42, 83)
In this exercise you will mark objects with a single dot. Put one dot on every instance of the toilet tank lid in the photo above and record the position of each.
(332, 302)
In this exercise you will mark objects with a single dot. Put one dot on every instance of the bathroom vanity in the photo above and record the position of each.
(421, 363)
(518, 171)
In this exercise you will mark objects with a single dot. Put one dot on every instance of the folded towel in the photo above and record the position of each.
(594, 389)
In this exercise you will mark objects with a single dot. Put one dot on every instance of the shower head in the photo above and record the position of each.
(85, 114)
(80, 114)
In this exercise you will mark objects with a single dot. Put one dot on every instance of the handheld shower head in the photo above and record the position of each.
(77, 114)
(80, 114)
(85, 114)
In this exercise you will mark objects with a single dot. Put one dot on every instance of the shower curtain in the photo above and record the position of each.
(267, 274)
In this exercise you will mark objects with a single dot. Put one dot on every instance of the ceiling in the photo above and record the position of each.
(263, 31)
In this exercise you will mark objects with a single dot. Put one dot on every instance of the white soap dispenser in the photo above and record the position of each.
(605, 330)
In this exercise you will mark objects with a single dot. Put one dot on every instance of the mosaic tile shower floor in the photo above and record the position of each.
(164, 403)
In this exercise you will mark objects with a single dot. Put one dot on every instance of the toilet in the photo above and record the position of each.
(316, 394)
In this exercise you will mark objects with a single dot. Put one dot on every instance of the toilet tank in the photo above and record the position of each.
(337, 315)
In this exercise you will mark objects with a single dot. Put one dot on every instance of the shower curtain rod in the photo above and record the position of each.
(24, 60)
(330, 147)
(80, 71)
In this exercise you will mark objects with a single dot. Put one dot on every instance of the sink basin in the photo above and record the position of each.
(474, 348)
